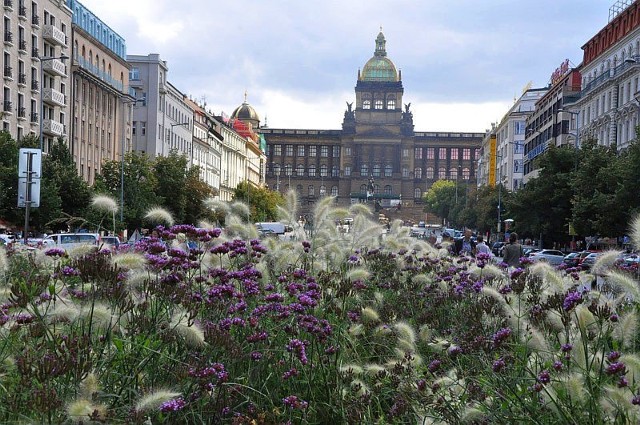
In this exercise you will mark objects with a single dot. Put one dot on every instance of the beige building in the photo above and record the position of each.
(101, 107)
(35, 78)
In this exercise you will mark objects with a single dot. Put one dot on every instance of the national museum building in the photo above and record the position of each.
(377, 156)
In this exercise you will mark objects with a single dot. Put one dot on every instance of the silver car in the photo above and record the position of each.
(551, 256)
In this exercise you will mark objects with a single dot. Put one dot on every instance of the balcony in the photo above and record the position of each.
(8, 5)
(53, 97)
(35, 87)
(54, 35)
(22, 47)
(52, 128)
(8, 73)
(55, 67)
(7, 106)
(8, 38)
(97, 72)
(33, 117)
(22, 113)
(35, 54)
(35, 21)
(22, 13)
(22, 80)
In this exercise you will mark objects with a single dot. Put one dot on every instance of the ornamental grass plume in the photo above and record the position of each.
(626, 329)
(158, 215)
(472, 415)
(624, 283)
(105, 204)
(4, 264)
(83, 411)
(129, 261)
(634, 231)
(192, 334)
(616, 402)
(604, 262)
(358, 273)
(217, 205)
(369, 315)
(100, 315)
(632, 362)
(78, 251)
(154, 400)
(405, 331)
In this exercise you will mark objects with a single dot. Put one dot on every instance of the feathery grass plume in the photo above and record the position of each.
(378, 298)
(356, 330)
(553, 319)
(129, 260)
(89, 386)
(584, 318)
(632, 362)
(382, 330)
(554, 282)
(471, 415)
(64, 310)
(573, 385)
(4, 264)
(634, 231)
(359, 387)
(101, 315)
(625, 283)
(373, 369)
(158, 215)
(604, 262)
(78, 251)
(289, 212)
(192, 334)
(105, 204)
(615, 401)
(439, 344)
(369, 315)
(491, 292)
(360, 209)
(358, 273)
(406, 346)
(425, 333)
(626, 329)
(352, 368)
(405, 331)
(240, 209)
(216, 205)
(538, 342)
(81, 409)
(135, 280)
(154, 400)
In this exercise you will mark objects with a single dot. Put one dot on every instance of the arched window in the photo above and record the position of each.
(312, 170)
(334, 190)
(379, 104)
(376, 170)
(465, 173)
(442, 173)
(312, 190)
(84, 52)
(287, 169)
(90, 56)
(366, 104)
(429, 172)
(323, 190)
(388, 189)
(391, 104)
(453, 173)
(418, 173)
(417, 193)
(364, 170)
(300, 170)
(323, 170)
(405, 172)
(388, 170)
(299, 189)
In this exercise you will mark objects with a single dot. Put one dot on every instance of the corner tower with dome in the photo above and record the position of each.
(376, 157)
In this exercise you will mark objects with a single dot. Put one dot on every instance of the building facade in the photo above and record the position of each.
(608, 106)
(206, 152)
(36, 84)
(376, 157)
(101, 104)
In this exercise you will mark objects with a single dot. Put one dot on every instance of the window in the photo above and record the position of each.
(519, 127)
(391, 104)
(518, 148)
(134, 74)
(323, 170)
(379, 104)
(364, 170)
(442, 153)
(301, 150)
(429, 173)
(418, 173)
(134, 124)
(336, 152)
(442, 173)
(476, 153)
(347, 171)
(388, 170)
(405, 153)
(347, 151)
(465, 174)
(363, 188)
(454, 154)
(300, 170)
(453, 173)
(405, 172)
(312, 190)
(299, 189)
(430, 153)
(466, 154)
(312, 151)
(418, 153)
(376, 170)
(335, 171)
(323, 190)
(143, 127)
(324, 151)
(312, 170)
(334, 190)
(277, 150)
(288, 169)
(288, 151)
(417, 193)
(366, 104)
(388, 189)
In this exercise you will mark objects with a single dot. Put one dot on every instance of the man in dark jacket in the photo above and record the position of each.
(465, 245)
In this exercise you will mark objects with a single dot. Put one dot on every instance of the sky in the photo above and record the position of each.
(463, 62)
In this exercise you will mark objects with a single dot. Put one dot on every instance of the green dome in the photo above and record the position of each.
(379, 67)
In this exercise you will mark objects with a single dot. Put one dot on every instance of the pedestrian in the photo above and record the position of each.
(465, 245)
(481, 246)
(512, 252)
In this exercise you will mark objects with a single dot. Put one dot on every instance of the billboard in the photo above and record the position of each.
(29, 173)
(493, 153)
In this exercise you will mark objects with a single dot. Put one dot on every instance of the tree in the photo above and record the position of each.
(261, 201)
(440, 198)
(197, 192)
(171, 177)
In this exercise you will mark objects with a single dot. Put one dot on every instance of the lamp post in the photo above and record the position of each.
(276, 170)
(45, 59)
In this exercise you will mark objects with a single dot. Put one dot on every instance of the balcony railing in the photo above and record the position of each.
(35, 54)
(96, 71)
(54, 35)
(8, 5)
(8, 37)
(22, 79)
(8, 72)
(22, 12)
(22, 112)
(55, 66)
(35, 21)
(34, 85)
(33, 117)
(53, 96)
(52, 128)
(7, 106)
(22, 46)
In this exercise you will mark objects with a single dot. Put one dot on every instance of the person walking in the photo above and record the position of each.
(465, 245)
(482, 247)
(512, 252)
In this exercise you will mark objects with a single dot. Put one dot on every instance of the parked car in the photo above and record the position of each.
(589, 260)
(69, 240)
(497, 248)
(551, 256)
(110, 241)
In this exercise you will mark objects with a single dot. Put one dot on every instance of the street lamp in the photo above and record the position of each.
(45, 59)
(276, 170)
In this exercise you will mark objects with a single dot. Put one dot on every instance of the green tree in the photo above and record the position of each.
(262, 201)
(440, 199)
(197, 192)
(139, 186)
(171, 178)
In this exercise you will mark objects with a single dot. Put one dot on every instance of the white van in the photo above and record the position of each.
(67, 240)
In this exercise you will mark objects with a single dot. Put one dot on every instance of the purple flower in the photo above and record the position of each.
(623, 382)
(294, 402)
(173, 405)
(454, 350)
(544, 377)
(566, 348)
(55, 252)
(500, 336)
(571, 300)
(613, 356)
(515, 273)
(635, 400)
(69, 271)
(256, 355)
(299, 348)
(434, 365)
(557, 365)
(498, 365)
(616, 368)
